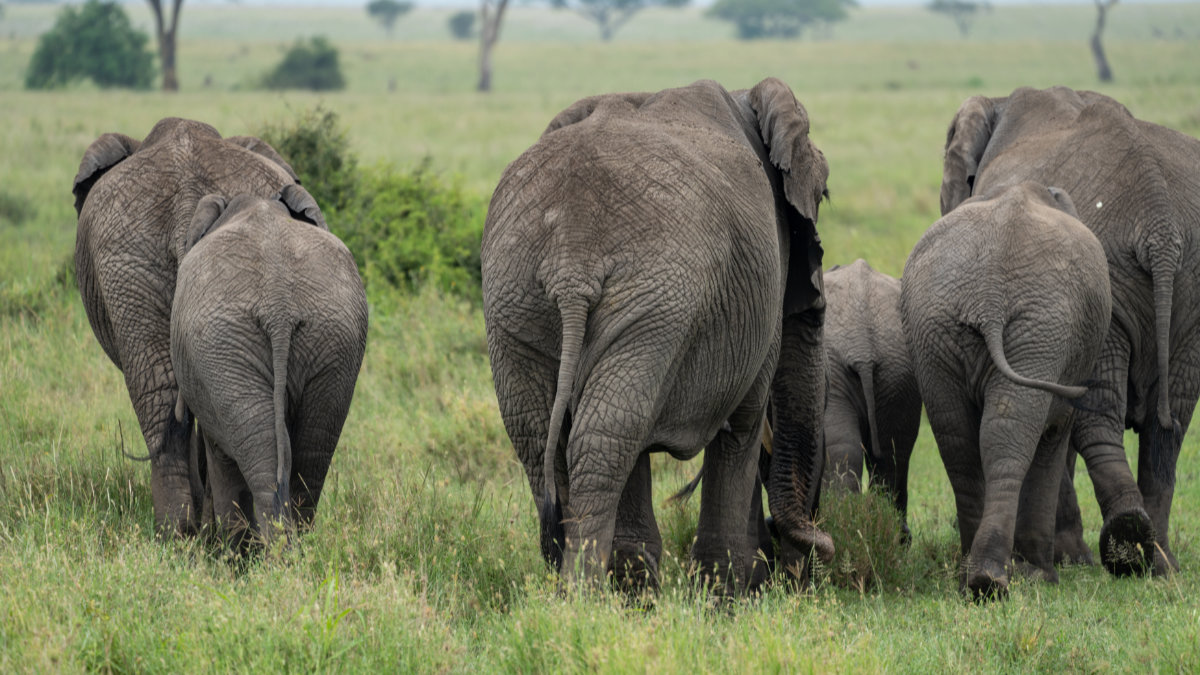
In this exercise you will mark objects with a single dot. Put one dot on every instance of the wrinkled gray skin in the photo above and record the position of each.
(135, 201)
(646, 265)
(874, 409)
(268, 330)
(1137, 186)
(1005, 304)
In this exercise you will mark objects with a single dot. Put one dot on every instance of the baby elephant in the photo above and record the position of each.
(1003, 300)
(873, 410)
(268, 329)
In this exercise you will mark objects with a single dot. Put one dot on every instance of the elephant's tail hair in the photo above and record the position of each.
(993, 335)
(281, 341)
(866, 375)
(685, 493)
(574, 310)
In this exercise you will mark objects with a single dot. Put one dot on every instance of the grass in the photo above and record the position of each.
(424, 553)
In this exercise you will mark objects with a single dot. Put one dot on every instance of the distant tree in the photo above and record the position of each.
(462, 24)
(1102, 69)
(963, 12)
(610, 15)
(308, 65)
(778, 18)
(387, 12)
(491, 15)
(92, 41)
(167, 31)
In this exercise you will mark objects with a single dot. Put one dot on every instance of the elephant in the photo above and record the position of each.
(135, 200)
(268, 328)
(1138, 188)
(1008, 282)
(874, 409)
(651, 277)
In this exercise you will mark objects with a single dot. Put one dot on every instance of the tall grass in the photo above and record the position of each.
(424, 555)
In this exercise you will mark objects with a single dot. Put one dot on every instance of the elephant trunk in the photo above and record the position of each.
(798, 458)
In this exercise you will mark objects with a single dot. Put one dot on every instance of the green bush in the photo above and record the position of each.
(308, 65)
(318, 150)
(406, 228)
(95, 41)
(14, 208)
(462, 24)
(412, 228)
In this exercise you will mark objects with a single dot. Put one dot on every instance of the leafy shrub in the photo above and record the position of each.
(406, 228)
(411, 228)
(94, 41)
(318, 150)
(15, 209)
(308, 65)
(462, 24)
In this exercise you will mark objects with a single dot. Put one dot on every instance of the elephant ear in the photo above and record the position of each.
(103, 154)
(967, 138)
(204, 220)
(783, 126)
(261, 147)
(301, 205)
(1063, 201)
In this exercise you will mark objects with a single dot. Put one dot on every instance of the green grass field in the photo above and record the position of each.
(424, 553)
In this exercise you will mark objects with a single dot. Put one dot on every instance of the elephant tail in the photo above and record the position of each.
(866, 375)
(281, 342)
(574, 310)
(1165, 436)
(993, 335)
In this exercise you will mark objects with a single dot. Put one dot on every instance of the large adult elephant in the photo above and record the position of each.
(268, 330)
(647, 265)
(135, 201)
(873, 413)
(1137, 187)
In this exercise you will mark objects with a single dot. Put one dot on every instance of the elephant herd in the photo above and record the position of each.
(653, 282)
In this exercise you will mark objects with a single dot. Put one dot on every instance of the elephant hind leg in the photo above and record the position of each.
(1069, 547)
(1036, 517)
(232, 502)
(637, 543)
(1010, 433)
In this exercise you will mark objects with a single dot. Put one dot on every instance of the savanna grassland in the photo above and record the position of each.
(424, 553)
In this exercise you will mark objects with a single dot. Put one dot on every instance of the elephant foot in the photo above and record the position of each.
(634, 569)
(1027, 570)
(1127, 545)
(723, 565)
(987, 580)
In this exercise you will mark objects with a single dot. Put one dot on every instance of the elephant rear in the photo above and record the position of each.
(268, 333)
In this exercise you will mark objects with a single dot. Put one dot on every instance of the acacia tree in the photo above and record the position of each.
(491, 14)
(166, 32)
(963, 12)
(1102, 69)
(757, 19)
(387, 12)
(610, 15)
